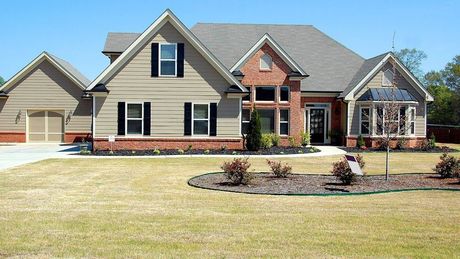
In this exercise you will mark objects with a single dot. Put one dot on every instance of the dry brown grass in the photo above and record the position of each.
(144, 208)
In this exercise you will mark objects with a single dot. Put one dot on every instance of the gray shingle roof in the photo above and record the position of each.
(119, 41)
(331, 66)
(365, 69)
(71, 69)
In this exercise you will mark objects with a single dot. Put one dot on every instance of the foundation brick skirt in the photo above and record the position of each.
(374, 142)
(166, 143)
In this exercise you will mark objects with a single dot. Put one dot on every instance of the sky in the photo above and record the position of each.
(76, 30)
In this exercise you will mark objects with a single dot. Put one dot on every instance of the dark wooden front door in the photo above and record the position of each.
(317, 125)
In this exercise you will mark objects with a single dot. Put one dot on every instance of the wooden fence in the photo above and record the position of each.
(444, 133)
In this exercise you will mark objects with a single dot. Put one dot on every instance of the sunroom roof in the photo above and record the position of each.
(387, 94)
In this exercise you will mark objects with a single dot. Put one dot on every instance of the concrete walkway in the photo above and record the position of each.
(19, 154)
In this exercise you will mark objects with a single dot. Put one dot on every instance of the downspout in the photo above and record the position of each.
(93, 122)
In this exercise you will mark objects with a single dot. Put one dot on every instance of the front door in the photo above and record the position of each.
(317, 125)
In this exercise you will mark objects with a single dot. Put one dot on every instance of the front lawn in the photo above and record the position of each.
(144, 208)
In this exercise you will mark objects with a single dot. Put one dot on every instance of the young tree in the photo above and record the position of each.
(390, 120)
(254, 135)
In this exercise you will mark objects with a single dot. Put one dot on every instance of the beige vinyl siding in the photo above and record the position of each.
(376, 82)
(45, 88)
(201, 84)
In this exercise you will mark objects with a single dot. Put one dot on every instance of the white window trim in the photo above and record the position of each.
(255, 94)
(370, 120)
(289, 94)
(132, 119)
(193, 118)
(160, 59)
(327, 111)
(288, 122)
(413, 119)
(260, 63)
(408, 108)
(383, 78)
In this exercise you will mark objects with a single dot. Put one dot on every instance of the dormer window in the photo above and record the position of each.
(266, 62)
(388, 77)
(168, 59)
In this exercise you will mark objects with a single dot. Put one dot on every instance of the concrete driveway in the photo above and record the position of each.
(19, 154)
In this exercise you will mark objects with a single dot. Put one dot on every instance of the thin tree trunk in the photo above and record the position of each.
(387, 162)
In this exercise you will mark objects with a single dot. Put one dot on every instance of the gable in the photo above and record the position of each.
(146, 36)
(253, 75)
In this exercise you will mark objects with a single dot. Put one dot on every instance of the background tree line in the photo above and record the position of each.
(444, 85)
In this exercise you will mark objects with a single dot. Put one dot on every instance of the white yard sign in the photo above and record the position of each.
(354, 165)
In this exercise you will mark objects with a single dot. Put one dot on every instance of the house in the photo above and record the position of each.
(44, 103)
(170, 87)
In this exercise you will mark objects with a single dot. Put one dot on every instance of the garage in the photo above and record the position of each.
(46, 126)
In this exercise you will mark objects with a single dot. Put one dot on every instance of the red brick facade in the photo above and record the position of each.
(76, 137)
(12, 137)
(277, 76)
(166, 143)
(375, 142)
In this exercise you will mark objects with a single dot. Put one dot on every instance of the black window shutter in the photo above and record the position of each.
(147, 118)
(121, 118)
(180, 59)
(188, 119)
(213, 120)
(154, 61)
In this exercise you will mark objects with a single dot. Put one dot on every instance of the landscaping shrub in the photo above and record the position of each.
(156, 151)
(223, 147)
(305, 138)
(254, 136)
(382, 144)
(360, 142)
(342, 171)
(237, 171)
(275, 139)
(180, 151)
(206, 152)
(266, 141)
(401, 144)
(292, 141)
(189, 148)
(448, 167)
(432, 141)
(278, 169)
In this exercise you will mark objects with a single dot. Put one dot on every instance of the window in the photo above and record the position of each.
(168, 59)
(247, 97)
(134, 118)
(267, 121)
(265, 93)
(284, 122)
(266, 62)
(284, 94)
(387, 79)
(245, 120)
(200, 119)
(380, 121)
(365, 127)
(402, 120)
(411, 120)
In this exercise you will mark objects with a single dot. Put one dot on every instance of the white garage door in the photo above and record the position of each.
(46, 126)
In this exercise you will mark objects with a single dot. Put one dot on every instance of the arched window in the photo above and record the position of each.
(387, 79)
(265, 62)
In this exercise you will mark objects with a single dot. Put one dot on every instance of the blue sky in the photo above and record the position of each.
(76, 30)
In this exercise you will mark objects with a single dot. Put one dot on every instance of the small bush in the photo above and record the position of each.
(234, 153)
(305, 138)
(360, 142)
(342, 171)
(432, 141)
(448, 167)
(85, 152)
(275, 139)
(401, 144)
(266, 141)
(223, 147)
(237, 171)
(278, 169)
(382, 144)
(180, 151)
(156, 151)
(292, 141)
(189, 148)
(206, 152)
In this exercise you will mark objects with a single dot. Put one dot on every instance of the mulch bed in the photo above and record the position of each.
(442, 149)
(271, 151)
(314, 184)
